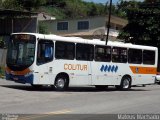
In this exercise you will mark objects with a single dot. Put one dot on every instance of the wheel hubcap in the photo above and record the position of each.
(60, 83)
(126, 83)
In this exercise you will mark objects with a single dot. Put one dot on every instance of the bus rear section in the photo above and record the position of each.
(124, 65)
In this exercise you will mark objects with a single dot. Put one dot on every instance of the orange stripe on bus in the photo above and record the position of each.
(23, 72)
(143, 70)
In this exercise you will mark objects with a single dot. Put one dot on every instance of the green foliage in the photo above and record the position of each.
(123, 6)
(74, 8)
(79, 8)
(32, 5)
(43, 29)
(11, 4)
(57, 3)
(54, 11)
(35, 4)
(63, 8)
(144, 24)
(92, 9)
(22, 4)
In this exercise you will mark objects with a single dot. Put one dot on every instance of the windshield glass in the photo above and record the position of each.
(21, 51)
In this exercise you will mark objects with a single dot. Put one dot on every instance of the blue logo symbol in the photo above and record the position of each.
(109, 68)
(137, 70)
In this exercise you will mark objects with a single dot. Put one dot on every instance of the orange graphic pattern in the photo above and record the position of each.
(143, 70)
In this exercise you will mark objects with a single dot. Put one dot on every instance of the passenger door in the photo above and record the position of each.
(44, 59)
(101, 67)
(84, 57)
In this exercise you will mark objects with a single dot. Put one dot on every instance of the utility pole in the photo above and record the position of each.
(108, 24)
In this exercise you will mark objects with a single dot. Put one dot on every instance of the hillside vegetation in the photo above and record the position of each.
(62, 9)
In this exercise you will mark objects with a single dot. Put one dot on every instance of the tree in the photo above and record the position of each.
(143, 24)
(93, 10)
(106, 8)
(123, 6)
(32, 4)
(22, 4)
(101, 9)
(43, 28)
(75, 8)
(11, 4)
(57, 3)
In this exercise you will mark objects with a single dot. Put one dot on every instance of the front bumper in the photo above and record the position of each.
(20, 78)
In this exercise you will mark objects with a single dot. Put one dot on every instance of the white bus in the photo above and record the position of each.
(61, 62)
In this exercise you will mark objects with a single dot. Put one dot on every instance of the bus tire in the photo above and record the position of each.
(101, 87)
(125, 83)
(61, 83)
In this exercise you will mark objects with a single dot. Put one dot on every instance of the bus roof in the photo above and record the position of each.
(88, 41)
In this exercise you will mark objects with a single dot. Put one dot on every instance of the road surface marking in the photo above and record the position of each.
(45, 114)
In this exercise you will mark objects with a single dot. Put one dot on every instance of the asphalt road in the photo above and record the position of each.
(45, 102)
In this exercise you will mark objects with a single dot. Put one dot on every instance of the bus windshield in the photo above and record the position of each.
(21, 52)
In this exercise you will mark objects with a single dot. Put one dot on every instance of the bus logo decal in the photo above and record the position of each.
(80, 67)
(108, 68)
(116, 68)
(104, 68)
(137, 70)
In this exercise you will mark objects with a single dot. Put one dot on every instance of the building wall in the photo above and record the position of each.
(9, 26)
(96, 27)
(94, 22)
(44, 16)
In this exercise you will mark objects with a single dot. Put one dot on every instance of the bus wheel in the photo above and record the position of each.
(61, 83)
(101, 87)
(125, 83)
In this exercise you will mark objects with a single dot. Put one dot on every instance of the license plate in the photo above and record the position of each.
(15, 78)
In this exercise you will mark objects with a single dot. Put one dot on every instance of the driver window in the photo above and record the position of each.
(45, 51)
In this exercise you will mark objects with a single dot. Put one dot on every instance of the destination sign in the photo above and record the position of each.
(23, 37)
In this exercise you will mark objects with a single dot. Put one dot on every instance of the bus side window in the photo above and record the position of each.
(45, 51)
(148, 57)
(65, 50)
(102, 53)
(48, 52)
(123, 55)
(84, 52)
(119, 54)
(134, 56)
(115, 54)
